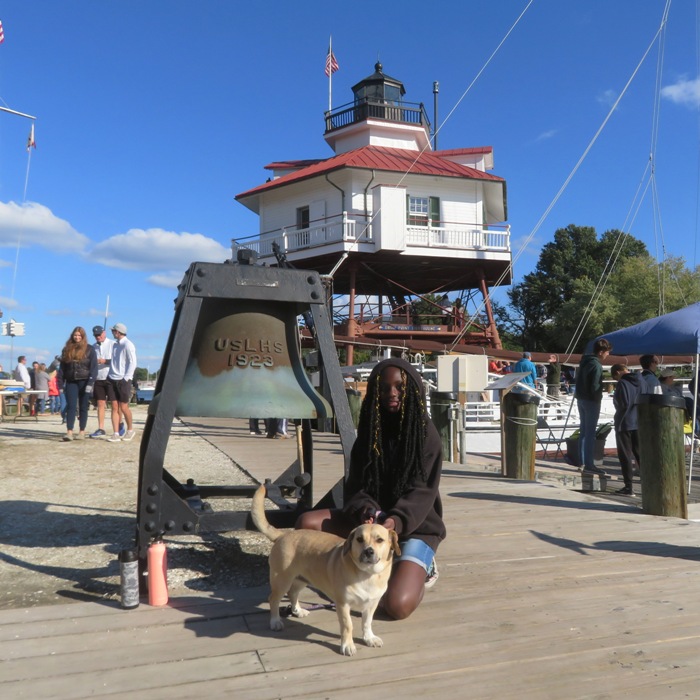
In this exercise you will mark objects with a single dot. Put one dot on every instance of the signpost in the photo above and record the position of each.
(12, 328)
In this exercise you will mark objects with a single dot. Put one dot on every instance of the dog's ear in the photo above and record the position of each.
(394, 543)
(348, 543)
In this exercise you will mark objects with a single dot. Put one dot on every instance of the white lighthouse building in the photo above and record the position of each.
(390, 217)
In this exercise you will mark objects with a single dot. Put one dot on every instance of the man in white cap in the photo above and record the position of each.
(121, 374)
(103, 390)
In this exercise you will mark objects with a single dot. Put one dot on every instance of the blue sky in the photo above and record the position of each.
(152, 116)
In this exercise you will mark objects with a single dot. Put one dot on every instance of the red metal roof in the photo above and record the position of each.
(380, 158)
(464, 151)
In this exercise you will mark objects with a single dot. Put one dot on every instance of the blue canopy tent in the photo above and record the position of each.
(677, 333)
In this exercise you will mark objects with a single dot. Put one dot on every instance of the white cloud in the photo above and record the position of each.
(7, 303)
(170, 281)
(545, 135)
(61, 312)
(33, 224)
(607, 98)
(684, 92)
(165, 254)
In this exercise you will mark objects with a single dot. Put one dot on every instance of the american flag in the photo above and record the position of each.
(31, 143)
(2, 33)
(331, 63)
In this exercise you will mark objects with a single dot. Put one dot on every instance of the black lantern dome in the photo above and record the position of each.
(379, 88)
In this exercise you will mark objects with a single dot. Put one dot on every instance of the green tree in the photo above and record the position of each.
(552, 298)
(141, 374)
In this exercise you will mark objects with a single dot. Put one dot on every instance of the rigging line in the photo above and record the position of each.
(586, 151)
(610, 263)
(469, 87)
(588, 148)
(658, 229)
(591, 306)
(21, 224)
(607, 271)
(437, 131)
(660, 260)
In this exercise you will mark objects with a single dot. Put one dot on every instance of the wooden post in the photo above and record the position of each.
(352, 330)
(519, 431)
(440, 409)
(662, 455)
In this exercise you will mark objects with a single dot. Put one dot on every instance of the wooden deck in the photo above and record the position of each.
(544, 592)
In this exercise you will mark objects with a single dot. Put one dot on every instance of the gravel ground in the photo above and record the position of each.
(70, 507)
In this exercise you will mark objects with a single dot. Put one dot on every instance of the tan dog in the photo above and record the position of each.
(353, 573)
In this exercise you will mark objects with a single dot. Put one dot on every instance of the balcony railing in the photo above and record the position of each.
(353, 113)
(322, 232)
(458, 237)
(343, 229)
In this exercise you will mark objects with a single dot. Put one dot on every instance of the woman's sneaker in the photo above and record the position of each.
(432, 575)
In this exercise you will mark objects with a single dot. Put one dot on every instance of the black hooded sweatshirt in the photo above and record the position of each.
(418, 511)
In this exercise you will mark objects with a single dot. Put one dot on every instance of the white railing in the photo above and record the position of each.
(344, 229)
(291, 239)
(455, 237)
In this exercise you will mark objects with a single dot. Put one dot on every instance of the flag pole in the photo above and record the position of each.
(106, 312)
(330, 73)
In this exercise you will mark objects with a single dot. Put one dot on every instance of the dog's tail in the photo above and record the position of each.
(257, 512)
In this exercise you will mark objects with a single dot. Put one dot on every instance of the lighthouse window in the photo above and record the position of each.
(417, 211)
(422, 209)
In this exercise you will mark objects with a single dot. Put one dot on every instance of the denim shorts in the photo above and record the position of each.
(416, 551)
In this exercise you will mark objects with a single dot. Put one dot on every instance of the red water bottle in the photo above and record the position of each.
(157, 573)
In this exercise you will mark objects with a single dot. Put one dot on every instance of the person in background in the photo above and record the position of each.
(21, 373)
(666, 378)
(394, 479)
(54, 394)
(553, 378)
(589, 394)
(649, 365)
(41, 383)
(525, 364)
(121, 374)
(458, 313)
(446, 306)
(79, 371)
(55, 366)
(32, 379)
(629, 387)
(104, 390)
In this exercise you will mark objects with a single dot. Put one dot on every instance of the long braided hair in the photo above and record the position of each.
(388, 476)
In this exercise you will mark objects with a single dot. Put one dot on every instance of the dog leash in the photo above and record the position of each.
(287, 611)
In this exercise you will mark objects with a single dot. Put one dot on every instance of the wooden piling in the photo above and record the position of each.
(662, 455)
(520, 431)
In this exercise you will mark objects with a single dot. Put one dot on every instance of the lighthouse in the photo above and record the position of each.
(388, 217)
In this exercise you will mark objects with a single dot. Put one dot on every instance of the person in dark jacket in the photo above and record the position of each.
(589, 394)
(629, 386)
(394, 478)
(79, 371)
(650, 363)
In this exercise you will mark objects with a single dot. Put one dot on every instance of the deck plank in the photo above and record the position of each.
(544, 592)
